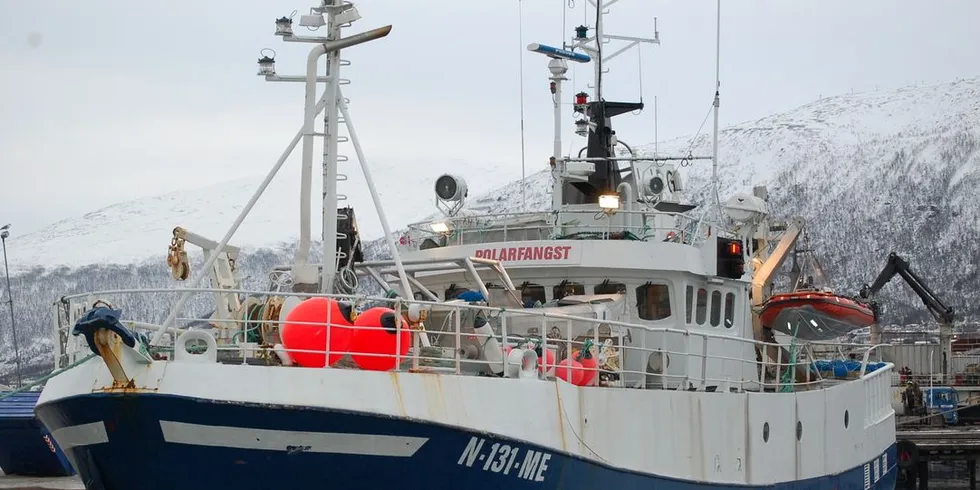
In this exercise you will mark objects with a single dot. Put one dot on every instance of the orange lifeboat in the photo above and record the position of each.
(815, 315)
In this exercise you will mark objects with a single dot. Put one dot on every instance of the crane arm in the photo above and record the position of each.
(896, 265)
(762, 276)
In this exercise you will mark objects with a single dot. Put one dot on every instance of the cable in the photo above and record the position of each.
(598, 50)
(572, 429)
(564, 45)
(520, 71)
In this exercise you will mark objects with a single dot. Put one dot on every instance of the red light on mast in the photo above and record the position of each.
(735, 249)
(581, 98)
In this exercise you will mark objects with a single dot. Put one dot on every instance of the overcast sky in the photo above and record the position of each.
(102, 101)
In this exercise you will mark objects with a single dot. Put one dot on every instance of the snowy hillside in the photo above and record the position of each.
(871, 173)
(134, 231)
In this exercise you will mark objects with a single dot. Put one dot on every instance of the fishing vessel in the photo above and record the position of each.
(26, 447)
(607, 342)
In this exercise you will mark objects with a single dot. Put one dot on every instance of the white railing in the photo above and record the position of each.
(474, 229)
(702, 360)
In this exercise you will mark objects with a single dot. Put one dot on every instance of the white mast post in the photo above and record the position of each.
(558, 69)
(717, 104)
(329, 216)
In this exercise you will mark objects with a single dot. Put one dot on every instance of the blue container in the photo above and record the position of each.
(26, 447)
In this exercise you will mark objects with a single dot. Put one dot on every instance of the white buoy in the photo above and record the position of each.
(287, 306)
(492, 352)
(283, 355)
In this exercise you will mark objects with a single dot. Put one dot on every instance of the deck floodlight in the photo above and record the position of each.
(314, 21)
(439, 227)
(609, 202)
(267, 63)
(284, 26)
(348, 16)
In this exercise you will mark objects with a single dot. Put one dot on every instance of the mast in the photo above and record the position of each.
(716, 104)
(601, 137)
(558, 66)
(330, 138)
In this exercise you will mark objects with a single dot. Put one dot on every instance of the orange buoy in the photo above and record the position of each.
(306, 329)
(589, 365)
(548, 363)
(571, 371)
(378, 334)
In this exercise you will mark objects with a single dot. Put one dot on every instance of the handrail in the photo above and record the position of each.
(366, 298)
(522, 222)
(691, 373)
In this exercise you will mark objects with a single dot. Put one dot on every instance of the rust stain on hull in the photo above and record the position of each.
(434, 399)
(561, 416)
(398, 392)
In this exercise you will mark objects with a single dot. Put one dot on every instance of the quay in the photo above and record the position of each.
(17, 482)
(918, 447)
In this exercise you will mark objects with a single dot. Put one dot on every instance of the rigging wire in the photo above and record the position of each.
(520, 71)
(598, 51)
(564, 11)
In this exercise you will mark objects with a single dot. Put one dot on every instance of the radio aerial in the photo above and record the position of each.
(451, 194)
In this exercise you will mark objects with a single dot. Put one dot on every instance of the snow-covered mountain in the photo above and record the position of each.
(870, 172)
(131, 232)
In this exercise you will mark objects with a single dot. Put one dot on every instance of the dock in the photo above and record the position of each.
(16, 482)
(918, 447)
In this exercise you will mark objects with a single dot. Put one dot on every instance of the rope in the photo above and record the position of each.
(41, 380)
(572, 429)
(787, 381)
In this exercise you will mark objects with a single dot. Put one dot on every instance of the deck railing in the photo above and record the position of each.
(692, 359)
(484, 228)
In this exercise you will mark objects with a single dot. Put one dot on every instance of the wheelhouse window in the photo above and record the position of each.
(610, 288)
(715, 308)
(566, 288)
(701, 312)
(729, 310)
(690, 303)
(653, 301)
(531, 294)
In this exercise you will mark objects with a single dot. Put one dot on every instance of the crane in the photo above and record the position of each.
(940, 311)
(224, 274)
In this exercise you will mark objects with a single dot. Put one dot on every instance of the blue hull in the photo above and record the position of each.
(26, 447)
(156, 442)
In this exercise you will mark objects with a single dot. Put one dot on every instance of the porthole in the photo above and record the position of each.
(799, 430)
(847, 418)
(765, 432)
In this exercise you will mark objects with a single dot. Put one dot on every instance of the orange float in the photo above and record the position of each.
(548, 363)
(380, 336)
(590, 365)
(571, 371)
(306, 329)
